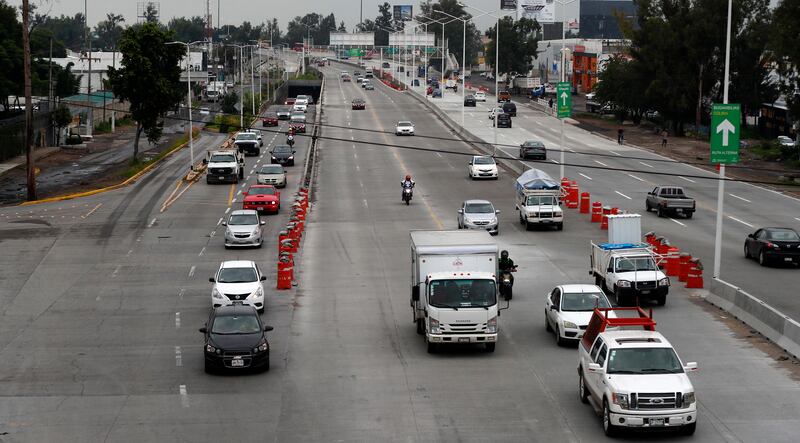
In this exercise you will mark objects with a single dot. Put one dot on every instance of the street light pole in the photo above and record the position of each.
(463, 60)
(721, 180)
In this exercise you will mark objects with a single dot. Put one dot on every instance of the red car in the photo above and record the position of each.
(289, 101)
(262, 198)
(270, 119)
(359, 104)
(298, 127)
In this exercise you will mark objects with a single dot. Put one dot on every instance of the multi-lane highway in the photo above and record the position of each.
(102, 297)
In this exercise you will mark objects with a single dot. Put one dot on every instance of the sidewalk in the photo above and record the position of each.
(20, 160)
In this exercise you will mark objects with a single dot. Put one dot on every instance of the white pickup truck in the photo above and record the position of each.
(224, 166)
(629, 271)
(537, 200)
(633, 376)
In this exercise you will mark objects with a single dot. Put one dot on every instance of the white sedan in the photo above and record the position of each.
(494, 111)
(568, 309)
(238, 281)
(482, 166)
(404, 128)
(480, 96)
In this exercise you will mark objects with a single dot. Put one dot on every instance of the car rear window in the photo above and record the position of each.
(782, 235)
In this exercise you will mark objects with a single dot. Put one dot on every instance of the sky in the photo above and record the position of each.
(235, 12)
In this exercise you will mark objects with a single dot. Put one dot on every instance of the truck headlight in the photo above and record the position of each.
(620, 400)
(570, 325)
(688, 399)
(664, 281)
(433, 326)
(215, 293)
(491, 325)
(624, 284)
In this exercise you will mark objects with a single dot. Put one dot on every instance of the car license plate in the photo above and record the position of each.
(646, 292)
(463, 339)
(656, 422)
(222, 177)
(547, 221)
(260, 208)
(787, 259)
(237, 362)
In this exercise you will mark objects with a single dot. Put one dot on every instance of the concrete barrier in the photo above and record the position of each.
(759, 315)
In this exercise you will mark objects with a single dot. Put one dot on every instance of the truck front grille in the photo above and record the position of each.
(646, 285)
(658, 400)
(461, 328)
(220, 171)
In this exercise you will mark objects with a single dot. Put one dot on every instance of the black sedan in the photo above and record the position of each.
(773, 245)
(533, 148)
(503, 120)
(283, 155)
(235, 339)
(470, 101)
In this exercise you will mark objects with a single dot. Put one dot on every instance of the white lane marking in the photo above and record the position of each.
(92, 211)
(178, 357)
(239, 193)
(116, 271)
(615, 153)
(253, 170)
(219, 222)
(797, 218)
(687, 179)
(184, 396)
(740, 221)
(623, 195)
(601, 163)
(637, 178)
(676, 221)
(152, 222)
(439, 154)
(585, 176)
(553, 161)
(740, 198)
(570, 150)
(202, 251)
(181, 292)
(177, 320)
(212, 234)
(649, 166)
(130, 251)
(191, 271)
(233, 201)
(366, 205)
(228, 210)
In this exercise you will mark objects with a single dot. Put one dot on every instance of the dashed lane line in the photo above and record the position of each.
(740, 221)
(637, 178)
(623, 195)
(740, 198)
(584, 176)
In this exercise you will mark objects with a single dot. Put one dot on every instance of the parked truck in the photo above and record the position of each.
(633, 374)
(453, 291)
(537, 200)
(670, 200)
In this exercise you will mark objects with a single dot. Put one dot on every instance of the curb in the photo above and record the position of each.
(126, 182)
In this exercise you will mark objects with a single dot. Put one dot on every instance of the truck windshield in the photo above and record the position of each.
(626, 264)
(246, 136)
(466, 293)
(543, 200)
(644, 361)
(223, 158)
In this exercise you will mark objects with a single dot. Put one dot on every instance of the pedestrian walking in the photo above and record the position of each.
(664, 135)
(550, 103)
(620, 136)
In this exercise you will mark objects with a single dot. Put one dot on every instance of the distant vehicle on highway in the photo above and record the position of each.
(670, 200)
(243, 228)
(262, 198)
(479, 214)
(386, 65)
(346, 78)
(298, 116)
(404, 128)
(283, 155)
(534, 149)
(368, 86)
(503, 120)
(298, 126)
(510, 108)
(247, 143)
(300, 106)
(290, 101)
(786, 141)
(359, 103)
(238, 281)
(503, 96)
(436, 93)
(568, 309)
(469, 100)
(773, 245)
(494, 111)
(272, 175)
(480, 96)
(204, 111)
(309, 99)
(482, 166)
(270, 119)
(235, 339)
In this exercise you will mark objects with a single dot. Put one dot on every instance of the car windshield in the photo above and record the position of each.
(223, 158)
(246, 136)
(237, 275)
(243, 219)
(484, 161)
(540, 200)
(530, 144)
(465, 293)
(583, 301)
(479, 208)
(261, 190)
(234, 324)
(644, 361)
(282, 150)
(782, 235)
(270, 115)
(630, 264)
(274, 169)
(404, 124)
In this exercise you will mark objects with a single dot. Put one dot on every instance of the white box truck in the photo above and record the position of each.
(537, 200)
(453, 291)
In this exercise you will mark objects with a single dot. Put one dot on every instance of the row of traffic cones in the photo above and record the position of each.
(289, 240)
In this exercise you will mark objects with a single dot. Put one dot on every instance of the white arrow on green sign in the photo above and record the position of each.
(564, 97)
(725, 119)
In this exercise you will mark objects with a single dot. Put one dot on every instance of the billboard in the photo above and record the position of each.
(402, 13)
(508, 4)
(543, 11)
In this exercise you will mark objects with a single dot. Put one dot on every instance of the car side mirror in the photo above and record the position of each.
(460, 211)
(262, 222)
(415, 293)
(224, 223)
(496, 211)
(293, 151)
(751, 236)
(554, 307)
(594, 367)
(204, 330)
(205, 162)
(244, 193)
(610, 269)
(691, 367)
(211, 279)
(268, 328)
(263, 278)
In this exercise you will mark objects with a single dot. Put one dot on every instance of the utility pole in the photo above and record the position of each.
(88, 35)
(26, 60)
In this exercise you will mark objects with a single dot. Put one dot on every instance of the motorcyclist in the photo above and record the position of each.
(290, 137)
(407, 183)
(507, 264)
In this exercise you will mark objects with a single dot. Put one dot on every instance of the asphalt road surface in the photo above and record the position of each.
(102, 297)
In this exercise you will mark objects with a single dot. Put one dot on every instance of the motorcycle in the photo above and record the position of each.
(290, 141)
(506, 282)
(407, 195)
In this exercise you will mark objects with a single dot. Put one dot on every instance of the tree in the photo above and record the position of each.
(229, 103)
(187, 30)
(70, 31)
(620, 86)
(454, 31)
(149, 78)
(10, 53)
(382, 22)
(108, 31)
(342, 27)
(784, 31)
(518, 42)
(323, 33)
(272, 32)
(367, 26)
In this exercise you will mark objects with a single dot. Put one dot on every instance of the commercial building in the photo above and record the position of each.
(598, 18)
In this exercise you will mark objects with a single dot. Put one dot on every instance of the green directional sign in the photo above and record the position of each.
(564, 97)
(725, 120)
(356, 52)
